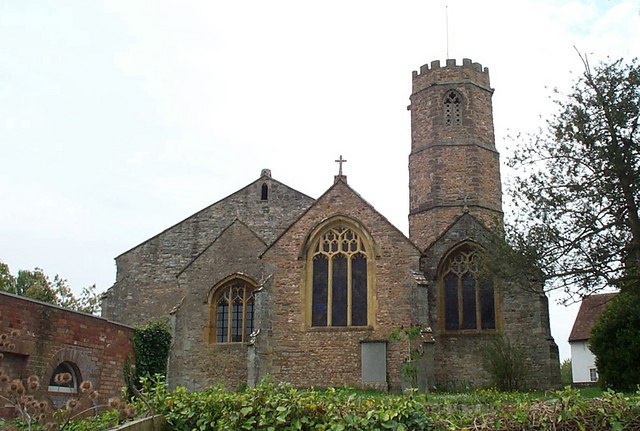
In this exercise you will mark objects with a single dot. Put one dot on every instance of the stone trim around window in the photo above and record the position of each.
(468, 303)
(339, 277)
(452, 108)
(231, 310)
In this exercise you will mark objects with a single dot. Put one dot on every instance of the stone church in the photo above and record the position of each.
(271, 282)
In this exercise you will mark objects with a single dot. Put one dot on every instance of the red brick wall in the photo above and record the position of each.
(49, 335)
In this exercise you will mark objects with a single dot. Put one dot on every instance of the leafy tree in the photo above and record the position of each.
(615, 341)
(577, 192)
(566, 377)
(37, 285)
(7, 281)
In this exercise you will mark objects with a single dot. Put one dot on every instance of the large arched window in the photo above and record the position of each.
(339, 278)
(468, 299)
(231, 312)
(453, 108)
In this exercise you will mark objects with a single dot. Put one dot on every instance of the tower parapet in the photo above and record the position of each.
(434, 74)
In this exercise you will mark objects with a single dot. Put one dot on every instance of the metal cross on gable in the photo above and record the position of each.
(340, 161)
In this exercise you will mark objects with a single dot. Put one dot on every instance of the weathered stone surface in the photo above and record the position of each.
(293, 351)
(455, 197)
(196, 360)
(452, 167)
(146, 285)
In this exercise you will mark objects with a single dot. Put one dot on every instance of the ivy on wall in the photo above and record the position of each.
(151, 344)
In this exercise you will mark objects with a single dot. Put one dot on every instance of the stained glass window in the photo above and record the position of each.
(234, 313)
(339, 279)
(469, 299)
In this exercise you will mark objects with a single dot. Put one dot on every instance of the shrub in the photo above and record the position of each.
(566, 377)
(151, 344)
(272, 406)
(615, 341)
(505, 363)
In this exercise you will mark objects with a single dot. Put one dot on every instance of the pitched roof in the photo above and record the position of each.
(590, 310)
(265, 175)
(340, 181)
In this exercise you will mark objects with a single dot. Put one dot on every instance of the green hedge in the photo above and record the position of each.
(272, 406)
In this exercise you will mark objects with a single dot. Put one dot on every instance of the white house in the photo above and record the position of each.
(583, 362)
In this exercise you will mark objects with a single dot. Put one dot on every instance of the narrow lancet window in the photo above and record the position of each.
(264, 194)
(453, 108)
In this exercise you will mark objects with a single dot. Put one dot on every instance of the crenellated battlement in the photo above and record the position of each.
(435, 73)
(450, 63)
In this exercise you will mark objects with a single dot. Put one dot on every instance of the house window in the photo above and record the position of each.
(593, 374)
(264, 192)
(468, 299)
(232, 309)
(64, 379)
(339, 279)
(453, 108)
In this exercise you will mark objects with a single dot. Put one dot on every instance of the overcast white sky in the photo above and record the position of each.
(121, 118)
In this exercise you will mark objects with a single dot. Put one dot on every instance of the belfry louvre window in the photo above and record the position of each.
(453, 108)
(233, 313)
(339, 280)
(469, 300)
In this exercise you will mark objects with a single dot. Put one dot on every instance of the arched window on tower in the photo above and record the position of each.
(264, 192)
(231, 312)
(468, 299)
(453, 108)
(339, 278)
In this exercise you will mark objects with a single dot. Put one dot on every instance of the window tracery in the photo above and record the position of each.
(453, 108)
(468, 298)
(232, 312)
(339, 282)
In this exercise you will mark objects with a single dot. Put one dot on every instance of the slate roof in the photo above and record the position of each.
(590, 309)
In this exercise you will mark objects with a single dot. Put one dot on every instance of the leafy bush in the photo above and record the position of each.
(412, 337)
(615, 341)
(566, 377)
(505, 363)
(151, 344)
(271, 406)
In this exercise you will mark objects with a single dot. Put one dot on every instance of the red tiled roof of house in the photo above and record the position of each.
(590, 309)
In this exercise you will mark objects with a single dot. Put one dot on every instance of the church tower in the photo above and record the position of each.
(454, 167)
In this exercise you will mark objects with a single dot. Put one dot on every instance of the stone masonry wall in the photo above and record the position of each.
(197, 361)
(145, 284)
(452, 167)
(521, 314)
(288, 348)
(49, 335)
(448, 181)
